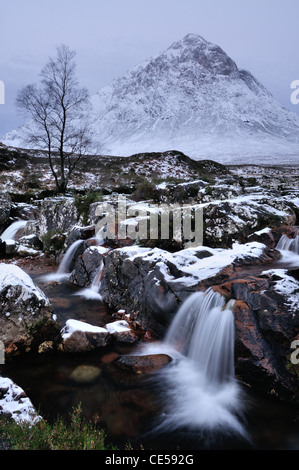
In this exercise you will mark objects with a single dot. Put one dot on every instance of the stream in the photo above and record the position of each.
(131, 407)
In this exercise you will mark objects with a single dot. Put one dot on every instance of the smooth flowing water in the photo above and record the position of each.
(93, 292)
(203, 330)
(11, 231)
(194, 402)
(200, 389)
(288, 244)
(64, 266)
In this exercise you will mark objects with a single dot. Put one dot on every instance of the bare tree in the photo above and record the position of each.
(57, 109)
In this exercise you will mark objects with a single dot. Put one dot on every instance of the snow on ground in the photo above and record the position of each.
(12, 275)
(75, 325)
(286, 286)
(118, 326)
(71, 326)
(193, 268)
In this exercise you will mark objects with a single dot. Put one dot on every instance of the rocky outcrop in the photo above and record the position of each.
(266, 320)
(153, 283)
(239, 218)
(15, 404)
(26, 317)
(5, 209)
(57, 214)
(87, 265)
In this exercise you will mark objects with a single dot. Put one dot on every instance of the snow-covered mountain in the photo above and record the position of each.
(192, 97)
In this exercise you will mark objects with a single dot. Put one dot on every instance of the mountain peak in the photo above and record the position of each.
(191, 97)
(196, 50)
(192, 39)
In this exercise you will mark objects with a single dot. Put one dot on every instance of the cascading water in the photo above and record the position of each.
(288, 244)
(11, 231)
(203, 330)
(289, 249)
(201, 392)
(64, 267)
(63, 270)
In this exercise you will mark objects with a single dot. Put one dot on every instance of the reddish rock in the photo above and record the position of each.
(143, 364)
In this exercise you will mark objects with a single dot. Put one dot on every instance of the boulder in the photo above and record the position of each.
(80, 233)
(266, 320)
(57, 214)
(142, 364)
(86, 265)
(15, 404)
(5, 209)
(31, 241)
(237, 219)
(78, 336)
(120, 331)
(26, 317)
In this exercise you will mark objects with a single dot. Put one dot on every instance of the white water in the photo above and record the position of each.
(64, 267)
(63, 270)
(201, 392)
(11, 231)
(92, 292)
(289, 248)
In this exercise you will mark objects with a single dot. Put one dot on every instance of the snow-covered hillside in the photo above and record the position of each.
(193, 98)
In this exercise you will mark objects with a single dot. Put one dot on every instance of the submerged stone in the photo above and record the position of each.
(85, 374)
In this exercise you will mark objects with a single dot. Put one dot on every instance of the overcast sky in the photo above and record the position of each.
(112, 36)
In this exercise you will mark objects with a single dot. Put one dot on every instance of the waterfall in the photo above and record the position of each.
(199, 388)
(288, 244)
(289, 249)
(11, 231)
(64, 266)
(92, 292)
(203, 330)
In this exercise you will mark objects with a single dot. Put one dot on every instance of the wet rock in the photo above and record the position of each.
(86, 265)
(26, 317)
(266, 319)
(5, 209)
(46, 347)
(80, 233)
(79, 336)
(153, 283)
(85, 374)
(9, 247)
(143, 364)
(121, 332)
